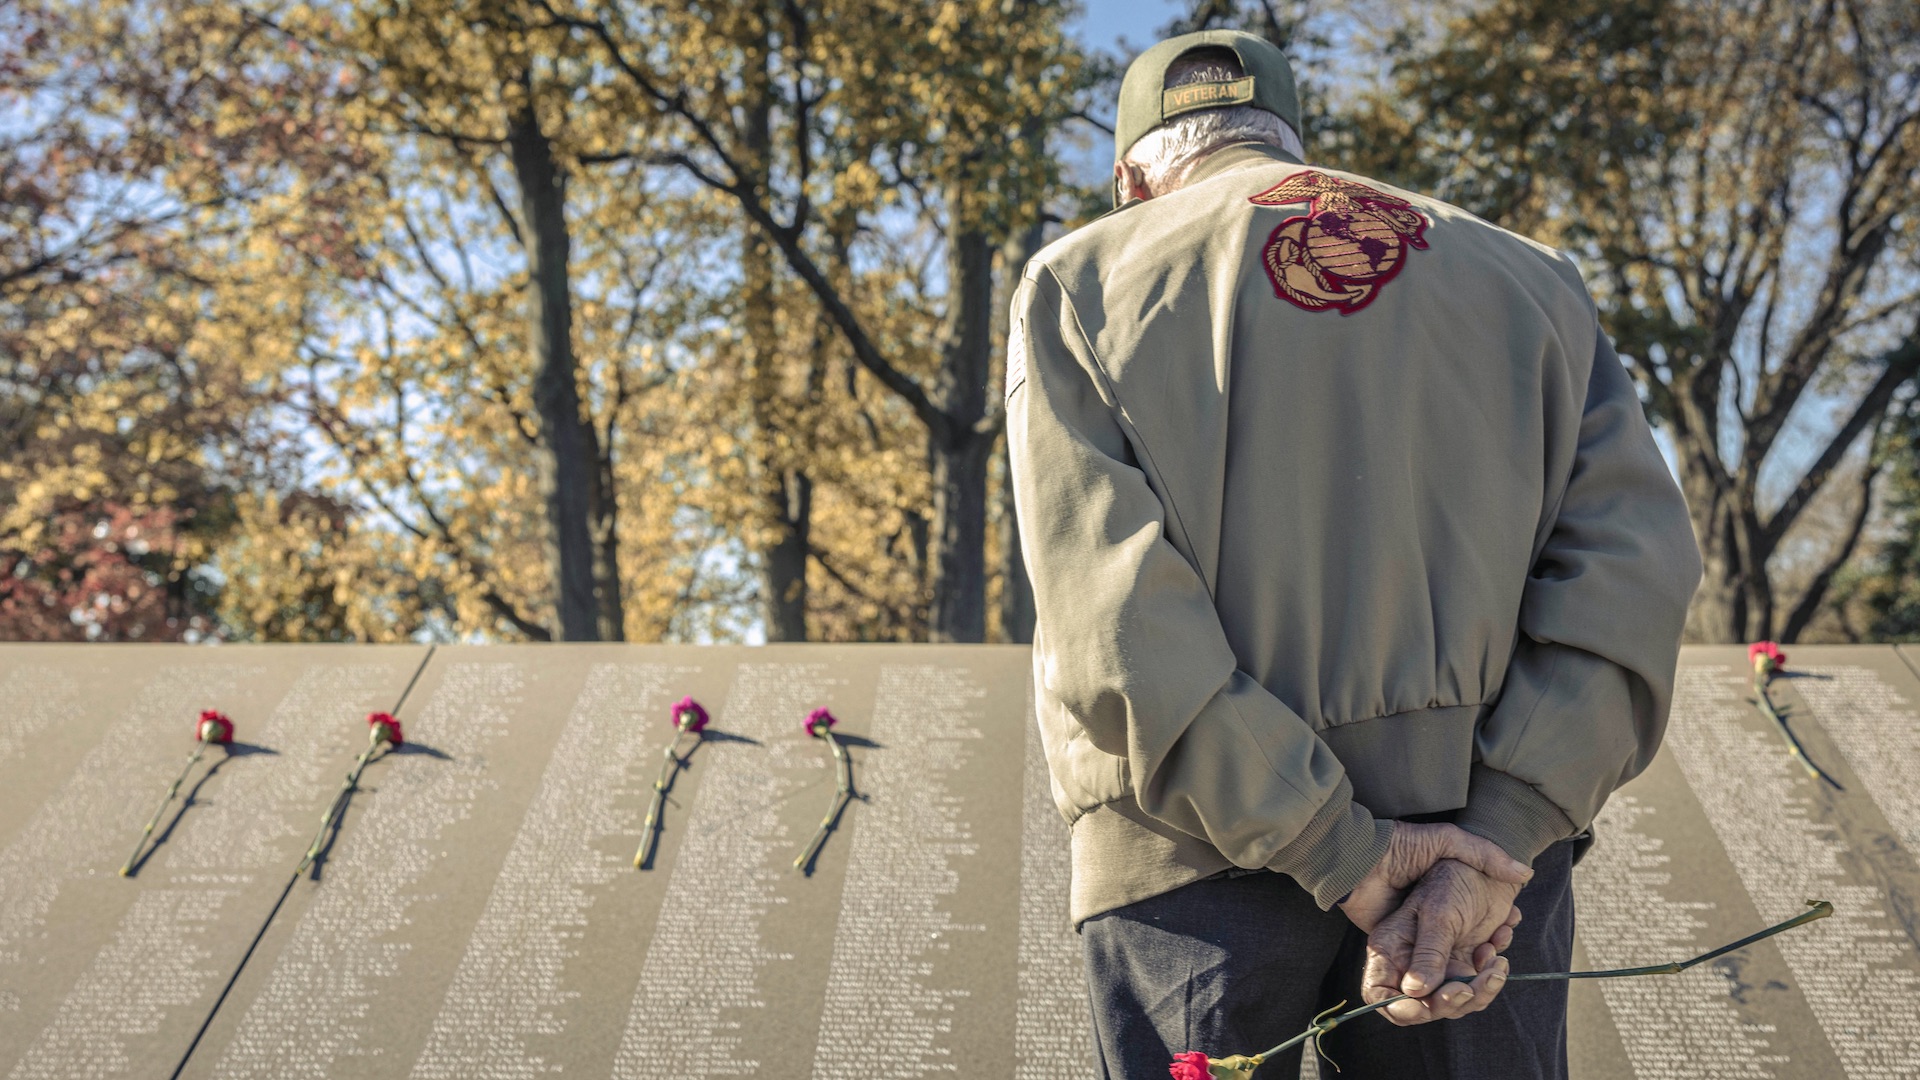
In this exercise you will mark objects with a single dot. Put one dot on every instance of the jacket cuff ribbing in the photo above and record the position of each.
(1341, 845)
(1512, 813)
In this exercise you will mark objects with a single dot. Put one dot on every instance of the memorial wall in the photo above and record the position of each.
(476, 911)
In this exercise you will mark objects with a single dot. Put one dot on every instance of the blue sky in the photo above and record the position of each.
(1121, 28)
(1104, 23)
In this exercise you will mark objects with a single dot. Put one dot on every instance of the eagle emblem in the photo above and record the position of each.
(1339, 254)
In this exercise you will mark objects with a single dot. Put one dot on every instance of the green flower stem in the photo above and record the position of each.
(1793, 745)
(374, 742)
(668, 768)
(1816, 909)
(199, 750)
(842, 794)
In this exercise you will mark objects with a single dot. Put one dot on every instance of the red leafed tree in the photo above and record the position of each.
(166, 180)
(104, 575)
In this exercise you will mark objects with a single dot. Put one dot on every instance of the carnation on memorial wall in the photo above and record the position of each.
(212, 729)
(215, 728)
(1768, 660)
(688, 715)
(382, 727)
(819, 725)
(689, 718)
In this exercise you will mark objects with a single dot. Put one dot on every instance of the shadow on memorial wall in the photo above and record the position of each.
(405, 749)
(851, 795)
(650, 844)
(234, 750)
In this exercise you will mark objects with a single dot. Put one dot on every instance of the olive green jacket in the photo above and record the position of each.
(1338, 508)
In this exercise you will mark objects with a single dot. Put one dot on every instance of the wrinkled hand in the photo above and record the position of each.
(1412, 851)
(1449, 930)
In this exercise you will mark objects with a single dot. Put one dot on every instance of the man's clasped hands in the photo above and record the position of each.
(1438, 911)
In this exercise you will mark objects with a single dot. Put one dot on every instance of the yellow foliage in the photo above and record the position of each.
(312, 338)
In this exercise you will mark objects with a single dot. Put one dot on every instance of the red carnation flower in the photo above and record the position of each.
(383, 726)
(819, 718)
(1768, 651)
(1191, 1065)
(214, 727)
(688, 705)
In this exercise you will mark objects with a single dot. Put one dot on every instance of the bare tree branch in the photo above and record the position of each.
(1815, 593)
(1900, 366)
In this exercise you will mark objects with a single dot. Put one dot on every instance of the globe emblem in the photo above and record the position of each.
(1358, 247)
(1349, 243)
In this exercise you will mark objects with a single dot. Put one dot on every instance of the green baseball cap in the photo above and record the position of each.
(1145, 103)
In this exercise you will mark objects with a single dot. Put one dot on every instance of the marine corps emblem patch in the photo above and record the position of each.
(1339, 254)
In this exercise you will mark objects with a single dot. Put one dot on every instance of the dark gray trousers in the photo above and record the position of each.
(1234, 965)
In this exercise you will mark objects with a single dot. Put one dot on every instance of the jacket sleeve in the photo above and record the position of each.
(1586, 694)
(1129, 642)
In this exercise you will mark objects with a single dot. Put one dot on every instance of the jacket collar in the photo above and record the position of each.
(1235, 156)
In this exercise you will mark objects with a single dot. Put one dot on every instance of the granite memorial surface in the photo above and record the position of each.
(1726, 833)
(477, 912)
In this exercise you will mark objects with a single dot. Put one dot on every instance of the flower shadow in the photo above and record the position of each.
(407, 749)
(713, 734)
(852, 794)
(411, 748)
(233, 750)
(650, 843)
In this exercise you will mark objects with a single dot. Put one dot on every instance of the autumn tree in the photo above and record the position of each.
(496, 92)
(163, 175)
(390, 242)
(802, 116)
(430, 371)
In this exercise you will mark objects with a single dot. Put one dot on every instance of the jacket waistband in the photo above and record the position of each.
(1414, 762)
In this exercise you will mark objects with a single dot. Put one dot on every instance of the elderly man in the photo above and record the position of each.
(1360, 584)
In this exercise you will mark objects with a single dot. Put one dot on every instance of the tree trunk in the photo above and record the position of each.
(1016, 588)
(785, 492)
(1735, 599)
(959, 610)
(605, 511)
(960, 452)
(784, 562)
(1718, 612)
(570, 472)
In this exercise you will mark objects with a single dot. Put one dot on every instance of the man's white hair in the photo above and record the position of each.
(1167, 152)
